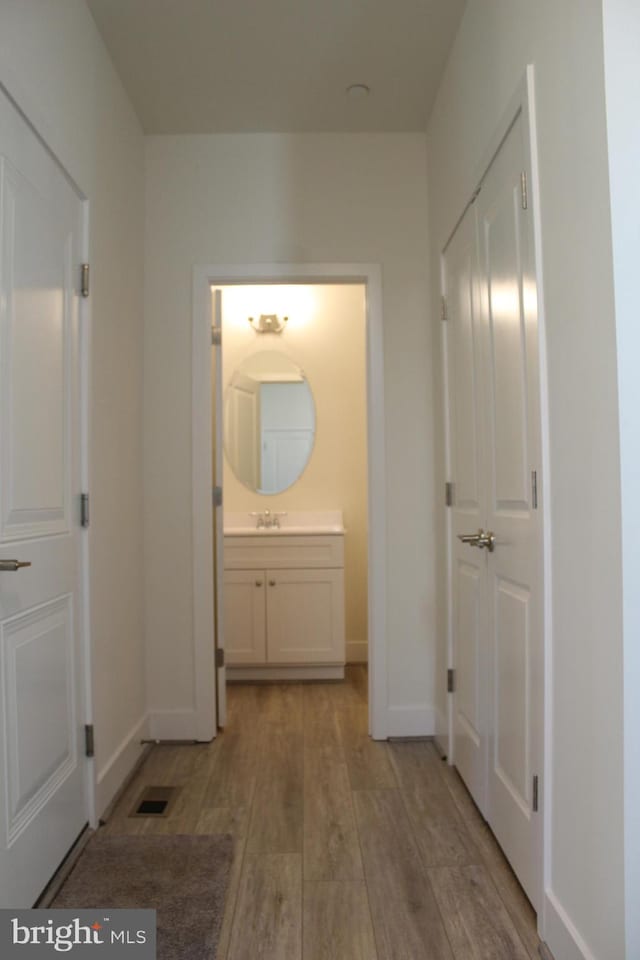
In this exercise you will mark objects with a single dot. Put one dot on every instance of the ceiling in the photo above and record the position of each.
(210, 66)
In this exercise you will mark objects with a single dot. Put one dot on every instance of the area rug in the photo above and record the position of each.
(184, 878)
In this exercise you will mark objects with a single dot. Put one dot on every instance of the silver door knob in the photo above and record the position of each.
(10, 566)
(487, 542)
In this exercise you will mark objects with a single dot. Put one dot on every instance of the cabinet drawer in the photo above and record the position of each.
(282, 552)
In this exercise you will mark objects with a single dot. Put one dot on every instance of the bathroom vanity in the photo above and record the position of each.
(284, 596)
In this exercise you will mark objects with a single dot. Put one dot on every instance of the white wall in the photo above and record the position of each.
(326, 337)
(268, 198)
(53, 63)
(622, 74)
(584, 904)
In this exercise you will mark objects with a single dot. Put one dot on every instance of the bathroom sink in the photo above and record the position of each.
(301, 524)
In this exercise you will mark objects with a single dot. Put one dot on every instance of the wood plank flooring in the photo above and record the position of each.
(346, 849)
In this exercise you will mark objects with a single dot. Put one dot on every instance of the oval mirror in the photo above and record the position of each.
(269, 422)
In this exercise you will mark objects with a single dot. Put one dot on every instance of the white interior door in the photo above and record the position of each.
(515, 577)
(494, 440)
(466, 452)
(42, 801)
(218, 510)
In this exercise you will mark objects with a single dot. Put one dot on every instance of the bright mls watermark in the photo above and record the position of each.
(79, 934)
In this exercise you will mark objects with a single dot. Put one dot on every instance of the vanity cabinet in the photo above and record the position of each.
(284, 607)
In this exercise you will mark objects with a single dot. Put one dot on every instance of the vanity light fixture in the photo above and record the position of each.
(268, 323)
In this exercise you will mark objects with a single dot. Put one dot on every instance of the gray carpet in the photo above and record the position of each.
(184, 878)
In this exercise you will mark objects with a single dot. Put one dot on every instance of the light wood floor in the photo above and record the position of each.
(346, 849)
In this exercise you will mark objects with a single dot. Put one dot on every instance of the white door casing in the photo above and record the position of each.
(498, 597)
(43, 801)
(206, 276)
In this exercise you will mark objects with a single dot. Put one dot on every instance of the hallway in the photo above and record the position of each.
(346, 849)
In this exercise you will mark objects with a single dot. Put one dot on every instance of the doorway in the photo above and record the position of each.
(208, 280)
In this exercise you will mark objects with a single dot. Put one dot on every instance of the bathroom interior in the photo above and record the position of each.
(290, 453)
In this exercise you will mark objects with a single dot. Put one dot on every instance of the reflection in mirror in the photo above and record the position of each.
(270, 422)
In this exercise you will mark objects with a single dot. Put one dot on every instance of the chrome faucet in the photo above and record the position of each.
(266, 520)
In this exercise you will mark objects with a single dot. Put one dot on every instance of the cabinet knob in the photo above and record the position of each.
(272, 583)
(258, 583)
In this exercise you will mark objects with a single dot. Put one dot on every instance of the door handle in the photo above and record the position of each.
(481, 540)
(10, 566)
(473, 539)
(272, 583)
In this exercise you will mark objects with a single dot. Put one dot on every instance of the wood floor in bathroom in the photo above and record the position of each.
(346, 849)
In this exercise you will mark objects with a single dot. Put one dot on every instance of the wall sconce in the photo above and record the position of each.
(268, 323)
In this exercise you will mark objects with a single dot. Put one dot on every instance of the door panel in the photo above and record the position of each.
(35, 276)
(501, 227)
(512, 654)
(464, 355)
(43, 803)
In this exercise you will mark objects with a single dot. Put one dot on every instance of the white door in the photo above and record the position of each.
(494, 442)
(218, 511)
(466, 454)
(42, 801)
(515, 576)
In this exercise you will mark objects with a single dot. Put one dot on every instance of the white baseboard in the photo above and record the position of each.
(416, 720)
(560, 932)
(173, 725)
(117, 768)
(357, 651)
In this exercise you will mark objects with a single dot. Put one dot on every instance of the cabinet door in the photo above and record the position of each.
(305, 616)
(244, 617)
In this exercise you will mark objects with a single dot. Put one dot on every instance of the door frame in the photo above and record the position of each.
(36, 123)
(522, 103)
(204, 277)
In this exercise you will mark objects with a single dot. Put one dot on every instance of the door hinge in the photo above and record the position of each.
(219, 657)
(84, 510)
(216, 336)
(84, 279)
(216, 496)
(448, 494)
(88, 740)
(534, 489)
(524, 190)
(443, 309)
(451, 681)
(534, 801)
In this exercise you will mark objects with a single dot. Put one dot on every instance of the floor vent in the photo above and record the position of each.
(155, 802)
